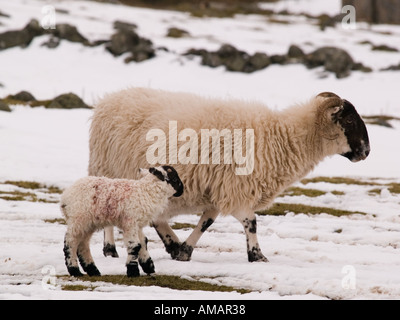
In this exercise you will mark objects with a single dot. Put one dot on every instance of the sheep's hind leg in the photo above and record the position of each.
(168, 237)
(206, 220)
(109, 243)
(70, 254)
(85, 256)
(249, 223)
(145, 260)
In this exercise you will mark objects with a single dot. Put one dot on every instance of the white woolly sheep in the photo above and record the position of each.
(287, 146)
(93, 203)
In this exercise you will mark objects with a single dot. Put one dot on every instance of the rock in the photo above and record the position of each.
(384, 47)
(4, 106)
(392, 68)
(33, 29)
(279, 59)
(67, 101)
(325, 20)
(295, 52)
(118, 24)
(70, 33)
(177, 33)
(358, 66)
(23, 96)
(5, 15)
(211, 59)
(129, 41)
(333, 59)
(122, 41)
(22, 38)
(232, 58)
(258, 61)
(52, 43)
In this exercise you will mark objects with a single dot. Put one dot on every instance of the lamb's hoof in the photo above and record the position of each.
(255, 255)
(185, 252)
(110, 250)
(74, 271)
(132, 270)
(147, 266)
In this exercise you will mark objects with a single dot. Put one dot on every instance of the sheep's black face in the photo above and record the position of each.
(355, 132)
(169, 174)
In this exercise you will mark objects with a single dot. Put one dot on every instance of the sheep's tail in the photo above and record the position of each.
(63, 207)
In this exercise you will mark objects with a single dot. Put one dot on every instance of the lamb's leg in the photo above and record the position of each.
(85, 256)
(132, 243)
(70, 254)
(248, 220)
(206, 220)
(145, 260)
(109, 243)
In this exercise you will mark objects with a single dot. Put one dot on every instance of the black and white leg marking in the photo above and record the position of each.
(70, 254)
(132, 268)
(248, 220)
(145, 260)
(206, 220)
(168, 237)
(109, 248)
(85, 256)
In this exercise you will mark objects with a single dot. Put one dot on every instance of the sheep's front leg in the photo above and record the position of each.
(168, 237)
(249, 223)
(206, 220)
(109, 243)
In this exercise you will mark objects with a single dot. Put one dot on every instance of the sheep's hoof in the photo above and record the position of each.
(92, 270)
(147, 266)
(74, 271)
(255, 255)
(185, 252)
(173, 249)
(110, 250)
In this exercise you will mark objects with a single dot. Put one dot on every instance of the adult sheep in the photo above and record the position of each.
(287, 145)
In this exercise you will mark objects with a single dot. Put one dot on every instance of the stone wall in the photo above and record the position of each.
(376, 11)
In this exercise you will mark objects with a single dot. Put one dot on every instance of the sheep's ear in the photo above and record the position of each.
(334, 111)
(328, 95)
(328, 112)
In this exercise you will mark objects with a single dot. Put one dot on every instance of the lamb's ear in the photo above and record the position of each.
(157, 173)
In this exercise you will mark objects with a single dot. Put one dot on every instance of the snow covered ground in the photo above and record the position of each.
(311, 256)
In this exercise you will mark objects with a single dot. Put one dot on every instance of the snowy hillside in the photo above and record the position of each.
(348, 249)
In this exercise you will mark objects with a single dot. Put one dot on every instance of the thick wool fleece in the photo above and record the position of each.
(288, 144)
(96, 202)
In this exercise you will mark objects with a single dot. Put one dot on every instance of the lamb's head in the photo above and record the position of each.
(169, 175)
(340, 122)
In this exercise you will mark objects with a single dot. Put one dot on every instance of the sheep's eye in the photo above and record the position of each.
(350, 120)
